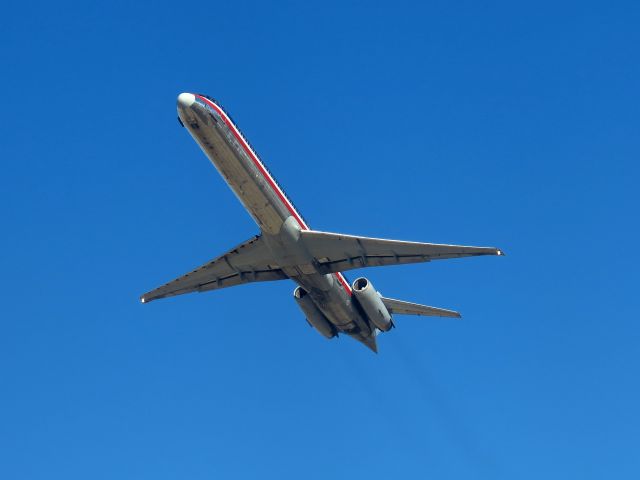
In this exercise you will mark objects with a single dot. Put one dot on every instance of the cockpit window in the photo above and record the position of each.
(208, 98)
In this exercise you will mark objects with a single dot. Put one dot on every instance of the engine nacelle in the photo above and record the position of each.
(314, 316)
(371, 303)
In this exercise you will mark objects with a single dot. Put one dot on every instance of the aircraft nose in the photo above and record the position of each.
(185, 100)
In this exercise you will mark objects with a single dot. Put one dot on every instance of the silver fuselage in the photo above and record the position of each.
(279, 221)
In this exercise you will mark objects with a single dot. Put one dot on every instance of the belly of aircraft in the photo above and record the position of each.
(241, 175)
(335, 304)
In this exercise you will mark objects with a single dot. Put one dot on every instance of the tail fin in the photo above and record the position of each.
(408, 308)
(370, 342)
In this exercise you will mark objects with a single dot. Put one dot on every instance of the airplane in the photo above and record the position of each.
(287, 248)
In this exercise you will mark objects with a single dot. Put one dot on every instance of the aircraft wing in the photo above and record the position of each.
(408, 308)
(335, 252)
(248, 262)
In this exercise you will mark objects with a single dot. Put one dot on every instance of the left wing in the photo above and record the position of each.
(335, 252)
(248, 262)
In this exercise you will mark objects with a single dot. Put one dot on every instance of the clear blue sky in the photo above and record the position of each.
(492, 124)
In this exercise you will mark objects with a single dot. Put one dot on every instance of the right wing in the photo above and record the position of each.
(248, 262)
(335, 252)
(408, 308)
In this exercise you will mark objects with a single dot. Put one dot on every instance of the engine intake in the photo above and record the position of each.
(371, 303)
(315, 317)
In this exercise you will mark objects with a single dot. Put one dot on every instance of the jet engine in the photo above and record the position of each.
(371, 303)
(315, 317)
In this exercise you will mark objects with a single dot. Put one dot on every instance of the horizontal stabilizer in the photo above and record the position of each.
(408, 308)
(336, 252)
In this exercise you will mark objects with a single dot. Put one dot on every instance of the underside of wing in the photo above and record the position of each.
(335, 252)
(246, 263)
(407, 308)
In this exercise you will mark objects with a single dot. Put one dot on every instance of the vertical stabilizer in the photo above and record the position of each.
(370, 342)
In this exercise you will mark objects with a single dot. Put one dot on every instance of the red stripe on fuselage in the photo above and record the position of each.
(256, 162)
(266, 175)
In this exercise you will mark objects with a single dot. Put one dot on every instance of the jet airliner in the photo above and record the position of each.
(287, 248)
